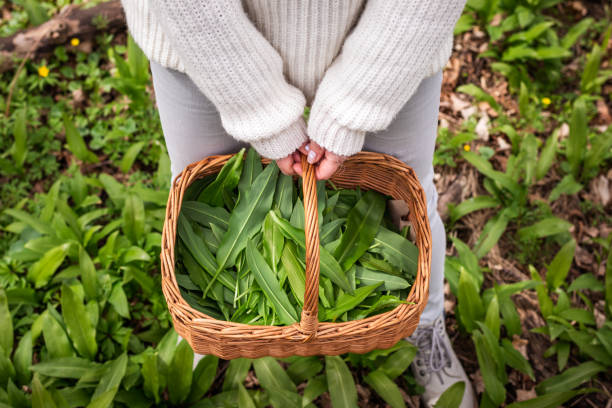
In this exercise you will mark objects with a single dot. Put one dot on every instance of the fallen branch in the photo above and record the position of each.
(72, 21)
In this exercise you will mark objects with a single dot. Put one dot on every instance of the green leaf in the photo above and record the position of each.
(575, 32)
(20, 136)
(271, 375)
(79, 326)
(519, 52)
(492, 232)
(203, 377)
(608, 284)
(119, 301)
(396, 250)
(452, 397)
(547, 156)
(568, 185)
(16, 397)
(133, 217)
(340, 383)
(362, 225)
(200, 252)
(515, 359)
(560, 265)
(227, 179)
(104, 400)
(283, 196)
(56, 338)
(304, 368)
(329, 266)
(270, 285)
(67, 367)
(385, 388)
(247, 217)
(89, 278)
(492, 320)
(244, 399)
(544, 228)
(563, 351)
(130, 156)
(6, 323)
(552, 52)
(281, 398)
(494, 387)
(478, 94)
(469, 206)
(586, 281)
(551, 400)
(469, 303)
(315, 387)
(273, 243)
(252, 169)
(544, 300)
(532, 33)
(389, 282)
(45, 267)
(37, 14)
(205, 214)
(41, 398)
(578, 315)
(7, 370)
(137, 60)
(398, 362)
(591, 68)
(163, 175)
(112, 377)
(570, 378)
(75, 142)
(35, 223)
(22, 359)
(236, 373)
(151, 376)
(347, 301)
(485, 167)
(577, 141)
(180, 373)
(295, 273)
(601, 143)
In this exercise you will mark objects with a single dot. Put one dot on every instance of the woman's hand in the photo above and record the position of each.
(292, 164)
(326, 161)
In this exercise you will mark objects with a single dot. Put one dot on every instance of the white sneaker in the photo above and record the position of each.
(436, 366)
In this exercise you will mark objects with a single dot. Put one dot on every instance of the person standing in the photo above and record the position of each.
(231, 73)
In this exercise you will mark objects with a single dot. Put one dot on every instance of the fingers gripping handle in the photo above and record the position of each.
(309, 320)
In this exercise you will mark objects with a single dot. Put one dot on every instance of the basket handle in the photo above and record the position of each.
(309, 320)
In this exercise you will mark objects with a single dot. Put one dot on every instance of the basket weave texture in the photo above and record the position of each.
(229, 340)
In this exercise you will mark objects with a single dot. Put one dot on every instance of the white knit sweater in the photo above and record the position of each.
(355, 62)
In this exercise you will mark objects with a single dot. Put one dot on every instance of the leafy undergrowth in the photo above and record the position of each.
(523, 171)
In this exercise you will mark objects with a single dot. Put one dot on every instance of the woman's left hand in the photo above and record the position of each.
(326, 161)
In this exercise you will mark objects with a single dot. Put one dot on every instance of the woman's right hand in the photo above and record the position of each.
(327, 162)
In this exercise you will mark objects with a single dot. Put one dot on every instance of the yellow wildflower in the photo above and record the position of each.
(74, 42)
(546, 101)
(467, 148)
(43, 71)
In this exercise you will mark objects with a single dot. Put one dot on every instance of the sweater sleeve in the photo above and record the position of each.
(393, 47)
(238, 70)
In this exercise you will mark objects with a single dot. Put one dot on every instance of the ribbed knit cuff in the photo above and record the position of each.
(328, 133)
(284, 143)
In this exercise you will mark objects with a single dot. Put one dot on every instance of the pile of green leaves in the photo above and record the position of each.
(241, 248)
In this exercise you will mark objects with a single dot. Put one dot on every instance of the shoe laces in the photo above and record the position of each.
(433, 349)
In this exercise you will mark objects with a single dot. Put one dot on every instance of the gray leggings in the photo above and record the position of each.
(192, 129)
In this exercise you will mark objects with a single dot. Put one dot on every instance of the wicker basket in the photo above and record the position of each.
(229, 340)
